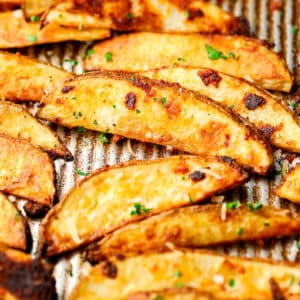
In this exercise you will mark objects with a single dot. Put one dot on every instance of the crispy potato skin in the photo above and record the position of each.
(26, 171)
(272, 117)
(16, 122)
(24, 278)
(172, 16)
(108, 197)
(143, 51)
(13, 226)
(289, 188)
(157, 271)
(16, 32)
(184, 293)
(195, 226)
(157, 112)
(32, 77)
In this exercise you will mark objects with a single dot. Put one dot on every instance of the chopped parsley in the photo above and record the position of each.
(240, 231)
(103, 138)
(266, 224)
(17, 216)
(293, 105)
(231, 283)
(278, 172)
(231, 106)
(181, 59)
(254, 206)
(129, 15)
(108, 56)
(35, 18)
(298, 244)
(179, 285)
(88, 53)
(95, 123)
(292, 280)
(139, 209)
(114, 106)
(188, 14)
(191, 199)
(164, 101)
(71, 271)
(31, 38)
(137, 111)
(60, 16)
(77, 115)
(81, 173)
(178, 274)
(80, 129)
(294, 30)
(233, 204)
(73, 62)
(73, 98)
(214, 54)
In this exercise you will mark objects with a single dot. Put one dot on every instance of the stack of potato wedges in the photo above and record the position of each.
(184, 75)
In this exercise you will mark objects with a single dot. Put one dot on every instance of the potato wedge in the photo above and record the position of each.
(26, 171)
(113, 197)
(184, 293)
(266, 112)
(13, 227)
(16, 32)
(223, 276)
(16, 122)
(156, 112)
(23, 277)
(195, 226)
(32, 77)
(169, 16)
(235, 55)
(289, 188)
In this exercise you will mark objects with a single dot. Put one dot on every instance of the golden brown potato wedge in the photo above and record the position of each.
(16, 122)
(32, 78)
(113, 197)
(35, 7)
(23, 277)
(169, 16)
(13, 227)
(236, 55)
(289, 188)
(26, 171)
(196, 226)
(16, 32)
(157, 112)
(184, 293)
(266, 112)
(223, 276)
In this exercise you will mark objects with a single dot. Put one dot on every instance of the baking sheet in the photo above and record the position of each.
(276, 26)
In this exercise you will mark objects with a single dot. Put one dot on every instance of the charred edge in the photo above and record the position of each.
(68, 156)
(252, 101)
(109, 269)
(27, 280)
(194, 13)
(66, 89)
(130, 101)
(35, 210)
(197, 176)
(239, 26)
(210, 77)
(143, 85)
(267, 130)
(276, 291)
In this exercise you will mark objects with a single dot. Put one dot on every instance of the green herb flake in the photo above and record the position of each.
(293, 105)
(214, 54)
(103, 138)
(139, 209)
(55, 145)
(60, 16)
(278, 172)
(31, 38)
(231, 106)
(266, 224)
(233, 204)
(137, 111)
(73, 98)
(95, 123)
(108, 56)
(81, 173)
(292, 280)
(129, 15)
(178, 274)
(35, 18)
(114, 106)
(77, 115)
(70, 271)
(17, 216)
(191, 199)
(181, 59)
(88, 53)
(254, 206)
(73, 62)
(188, 14)
(164, 101)
(231, 283)
(159, 297)
(298, 244)
(80, 129)
(294, 30)
(240, 231)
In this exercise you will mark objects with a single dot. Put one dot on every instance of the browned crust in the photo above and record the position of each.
(35, 210)
(26, 278)
(50, 251)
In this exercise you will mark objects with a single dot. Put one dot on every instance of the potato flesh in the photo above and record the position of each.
(145, 51)
(196, 226)
(106, 200)
(273, 118)
(222, 276)
(163, 114)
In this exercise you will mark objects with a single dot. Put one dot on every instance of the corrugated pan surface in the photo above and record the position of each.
(276, 21)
